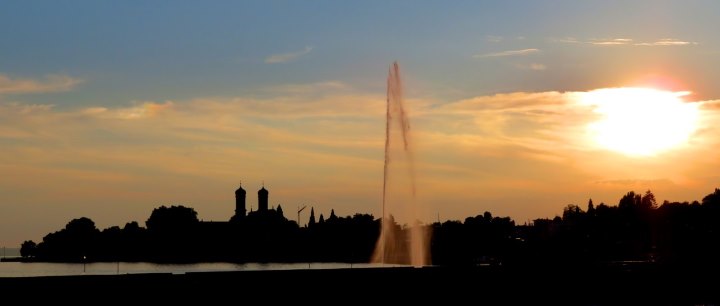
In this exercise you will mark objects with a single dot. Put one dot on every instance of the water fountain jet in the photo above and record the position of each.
(395, 245)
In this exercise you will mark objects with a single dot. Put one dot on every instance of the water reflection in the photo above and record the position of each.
(20, 269)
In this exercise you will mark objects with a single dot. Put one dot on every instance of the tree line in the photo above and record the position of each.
(637, 229)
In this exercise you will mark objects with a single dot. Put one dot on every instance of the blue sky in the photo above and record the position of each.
(176, 49)
(120, 106)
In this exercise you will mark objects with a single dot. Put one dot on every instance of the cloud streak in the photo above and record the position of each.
(494, 38)
(625, 42)
(287, 57)
(610, 42)
(508, 53)
(50, 83)
(532, 66)
(668, 42)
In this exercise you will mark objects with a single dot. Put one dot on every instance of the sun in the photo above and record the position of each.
(640, 121)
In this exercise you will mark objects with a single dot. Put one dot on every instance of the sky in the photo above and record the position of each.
(109, 109)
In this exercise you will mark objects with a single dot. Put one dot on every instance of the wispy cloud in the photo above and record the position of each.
(624, 42)
(569, 40)
(508, 53)
(536, 66)
(50, 83)
(138, 111)
(24, 109)
(493, 38)
(611, 41)
(533, 66)
(511, 101)
(667, 42)
(287, 57)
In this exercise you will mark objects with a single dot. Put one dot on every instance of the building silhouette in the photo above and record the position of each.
(263, 199)
(240, 195)
(241, 211)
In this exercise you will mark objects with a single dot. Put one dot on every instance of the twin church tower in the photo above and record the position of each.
(240, 195)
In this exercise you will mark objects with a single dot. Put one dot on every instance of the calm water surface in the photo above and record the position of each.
(20, 269)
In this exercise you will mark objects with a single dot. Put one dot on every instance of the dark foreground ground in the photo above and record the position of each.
(490, 285)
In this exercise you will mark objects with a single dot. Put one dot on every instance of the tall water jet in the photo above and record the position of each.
(395, 244)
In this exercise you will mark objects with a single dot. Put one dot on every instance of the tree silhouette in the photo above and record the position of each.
(170, 231)
(648, 201)
(572, 212)
(713, 199)
(171, 218)
(629, 201)
(75, 242)
(28, 248)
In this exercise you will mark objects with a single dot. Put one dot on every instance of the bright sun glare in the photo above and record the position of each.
(641, 121)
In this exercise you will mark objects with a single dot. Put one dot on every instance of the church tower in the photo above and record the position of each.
(263, 199)
(240, 202)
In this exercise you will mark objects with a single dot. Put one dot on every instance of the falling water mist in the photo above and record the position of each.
(395, 244)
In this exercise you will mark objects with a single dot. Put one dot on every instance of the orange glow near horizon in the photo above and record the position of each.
(639, 121)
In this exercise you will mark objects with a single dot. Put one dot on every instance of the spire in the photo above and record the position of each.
(311, 222)
(240, 189)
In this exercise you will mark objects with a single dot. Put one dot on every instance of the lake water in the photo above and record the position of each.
(10, 252)
(21, 269)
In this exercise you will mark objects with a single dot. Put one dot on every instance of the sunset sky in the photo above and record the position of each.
(109, 109)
